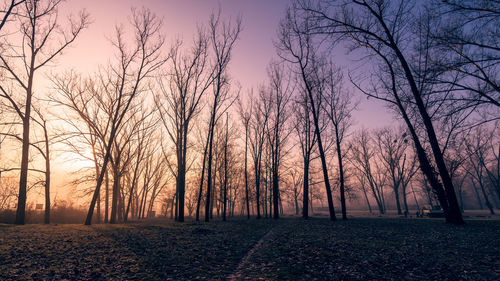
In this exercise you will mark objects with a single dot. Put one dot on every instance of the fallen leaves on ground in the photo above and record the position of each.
(316, 249)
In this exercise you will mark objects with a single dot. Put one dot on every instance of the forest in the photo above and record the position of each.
(168, 130)
(163, 130)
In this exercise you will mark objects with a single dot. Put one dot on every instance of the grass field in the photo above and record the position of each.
(287, 249)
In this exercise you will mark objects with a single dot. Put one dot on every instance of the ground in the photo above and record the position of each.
(285, 249)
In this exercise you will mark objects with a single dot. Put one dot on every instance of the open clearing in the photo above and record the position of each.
(357, 249)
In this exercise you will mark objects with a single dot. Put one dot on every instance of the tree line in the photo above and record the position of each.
(167, 124)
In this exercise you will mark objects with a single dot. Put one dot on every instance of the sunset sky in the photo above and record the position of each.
(252, 54)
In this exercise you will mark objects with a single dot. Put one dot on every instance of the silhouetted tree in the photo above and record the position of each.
(221, 40)
(246, 115)
(127, 77)
(297, 47)
(279, 94)
(363, 157)
(42, 40)
(338, 106)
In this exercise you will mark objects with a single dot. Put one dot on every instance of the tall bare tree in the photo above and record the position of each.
(246, 115)
(125, 80)
(182, 88)
(304, 128)
(298, 48)
(258, 124)
(339, 105)
(222, 38)
(42, 40)
(279, 95)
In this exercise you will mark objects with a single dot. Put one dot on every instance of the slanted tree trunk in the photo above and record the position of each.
(341, 175)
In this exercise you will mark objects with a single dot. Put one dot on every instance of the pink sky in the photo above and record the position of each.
(252, 54)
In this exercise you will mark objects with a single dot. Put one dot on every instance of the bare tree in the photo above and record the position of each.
(364, 158)
(338, 106)
(466, 41)
(127, 77)
(45, 152)
(297, 47)
(222, 39)
(304, 128)
(225, 169)
(258, 125)
(42, 40)
(8, 192)
(246, 115)
(479, 157)
(279, 95)
(182, 88)
(391, 148)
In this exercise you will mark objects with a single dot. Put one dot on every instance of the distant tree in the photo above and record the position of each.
(8, 192)
(365, 160)
(143, 138)
(294, 182)
(478, 162)
(392, 146)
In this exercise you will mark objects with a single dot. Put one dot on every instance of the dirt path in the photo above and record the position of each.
(236, 275)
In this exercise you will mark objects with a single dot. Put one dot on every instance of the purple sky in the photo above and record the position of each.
(252, 54)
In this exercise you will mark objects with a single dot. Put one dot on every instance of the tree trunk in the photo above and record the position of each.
(106, 200)
(485, 196)
(116, 191)
(341, 175)
(47, 176)
(246, 171)
(320, 148)
(209, 175)
(257, 186)
(202, 178)
(454, 215)
(225, 171)
(23, 179)
(305, 191)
